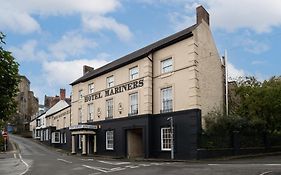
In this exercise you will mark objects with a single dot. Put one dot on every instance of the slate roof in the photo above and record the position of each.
(137, 55)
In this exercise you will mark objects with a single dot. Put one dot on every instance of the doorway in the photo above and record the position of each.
(135, 143)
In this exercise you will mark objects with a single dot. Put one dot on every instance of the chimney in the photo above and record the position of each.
(87, 69)
(62, 94)
(202, 14)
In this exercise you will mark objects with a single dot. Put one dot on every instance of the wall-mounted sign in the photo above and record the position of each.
(115, 90)
(75, 127)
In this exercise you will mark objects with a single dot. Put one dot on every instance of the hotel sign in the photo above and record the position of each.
(76, 127)
(115, 90)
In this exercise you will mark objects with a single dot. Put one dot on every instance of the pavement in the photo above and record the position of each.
(31, 158)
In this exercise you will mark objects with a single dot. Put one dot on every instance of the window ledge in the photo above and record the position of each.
(168, 74)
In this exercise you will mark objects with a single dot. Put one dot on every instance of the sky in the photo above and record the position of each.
(53, 39)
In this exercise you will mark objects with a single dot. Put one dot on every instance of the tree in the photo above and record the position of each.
(9, 80)
(260, 103)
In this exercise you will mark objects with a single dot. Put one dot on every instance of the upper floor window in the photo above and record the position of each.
(167, 100)
(109, 108)
(64, 122)
(167, 65)
(91, 88)
(110, 81)
(80, 94)
(80, 115)
(133, 104)
(134, 73)
(90, 111)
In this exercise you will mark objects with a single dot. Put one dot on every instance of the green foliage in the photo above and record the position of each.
(260, 102)
(9, 80)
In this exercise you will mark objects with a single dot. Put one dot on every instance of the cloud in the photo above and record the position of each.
(60, 73)
(29, 52)
(254, 46)
(71, 45)
(19, 16)
(96, 23)
(258, 62)
(234, 73)
(258, 16)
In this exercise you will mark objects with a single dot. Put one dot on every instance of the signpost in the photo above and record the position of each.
(5, 135)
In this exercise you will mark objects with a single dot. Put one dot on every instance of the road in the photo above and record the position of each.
(36, 159)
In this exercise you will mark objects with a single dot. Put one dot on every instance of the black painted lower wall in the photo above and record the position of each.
(187, 125)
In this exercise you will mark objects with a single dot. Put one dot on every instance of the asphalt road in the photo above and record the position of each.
(36, 159)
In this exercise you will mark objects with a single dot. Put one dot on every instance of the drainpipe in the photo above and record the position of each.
(151, 60)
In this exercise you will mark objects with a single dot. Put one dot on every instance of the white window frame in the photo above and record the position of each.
(80, 94)
(109, 136)
(166, 139)
(167, 65)
(109, 105)
(65, 137)
(134, 73)
(136, 103)
(80, 141)
(80, 115)
(165, 99)
(110, 81)
(55, 137)
(91, 88)
(90, 111)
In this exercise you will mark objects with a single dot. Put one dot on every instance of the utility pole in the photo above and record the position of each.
(172, 136)
(226, 82)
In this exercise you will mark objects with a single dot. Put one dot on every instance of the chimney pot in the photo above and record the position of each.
(202, 14)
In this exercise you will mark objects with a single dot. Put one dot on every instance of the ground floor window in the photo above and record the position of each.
(79, 142)
(166, 139)
(109, 138)
(56, 137)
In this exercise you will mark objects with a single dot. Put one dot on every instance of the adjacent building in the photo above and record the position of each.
(27, 106)
(150, 102)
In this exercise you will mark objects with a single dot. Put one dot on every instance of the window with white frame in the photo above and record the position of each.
(91, 88)
(109, 137)
(55, 137)
(65, 137)
(133, 104)
(166, 139)
(80, 94)
(167, 100)
(134, 73)
(64, 122)
(90, 111)
(79, 142)
(110, 81)
(109, 108)
(167, 65)
(80, 115)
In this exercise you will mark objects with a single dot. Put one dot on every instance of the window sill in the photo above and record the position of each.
(167, 74)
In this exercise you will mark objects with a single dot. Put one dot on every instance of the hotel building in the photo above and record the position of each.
(151, 102)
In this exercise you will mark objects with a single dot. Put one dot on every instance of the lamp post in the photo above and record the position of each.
(172, 136)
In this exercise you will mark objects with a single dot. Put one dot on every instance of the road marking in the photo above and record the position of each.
(94, 173)
(213, 164)
(131, 166)
(27, 166)
(104, 170)
(145, 165)
(64, 160)
(114, 163)
(15, 155)
(273, 164)
(87, 159)
(267, 172)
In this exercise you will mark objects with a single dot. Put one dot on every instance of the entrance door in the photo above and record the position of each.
(135, 143)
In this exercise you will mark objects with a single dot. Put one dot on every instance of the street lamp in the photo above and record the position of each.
(172, 136)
